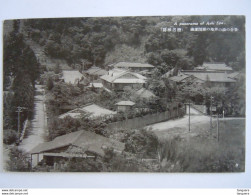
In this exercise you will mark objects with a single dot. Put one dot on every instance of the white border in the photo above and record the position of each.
(13, 9)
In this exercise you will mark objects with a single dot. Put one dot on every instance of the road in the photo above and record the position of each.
(38, 131)
(180, 126)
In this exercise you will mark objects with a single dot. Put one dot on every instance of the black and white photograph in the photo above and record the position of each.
(157, 94)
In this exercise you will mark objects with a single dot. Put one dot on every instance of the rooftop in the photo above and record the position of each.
(94, 110)
(213, 76)
(132, 65)
(233, 75)
(125, 103)
(86, 140)
(179, 77)
(144, 93)
(71, 76)
(221, 66)
(120, 76)
(94, 70)
(96, 85)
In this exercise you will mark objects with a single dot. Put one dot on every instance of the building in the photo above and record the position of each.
(234, 75)
(185, 78)
(72, 76)
(214, 78)
(215, 66)
(79, 144)
(117, 79)
(95, 72)
(133, 66)
(124, 106)
(169, 73)
(144, 94)
(92, 111)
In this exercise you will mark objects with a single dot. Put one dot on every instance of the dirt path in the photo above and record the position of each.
(179, 127)
(38, 132)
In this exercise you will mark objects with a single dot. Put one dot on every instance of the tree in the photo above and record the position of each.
(19, 161)
(49, 84)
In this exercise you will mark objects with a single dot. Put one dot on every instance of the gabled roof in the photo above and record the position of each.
(89, 141)
(212, 76)
(144, 93)
(94, 110)
(216, 66)
(125, 103)
(114, 76)
(132, 65)
(71, 76)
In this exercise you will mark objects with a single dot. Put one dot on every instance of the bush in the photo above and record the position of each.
(18, 161)
(142, 142)
(9, 136)
(198, 155)
(49, 84)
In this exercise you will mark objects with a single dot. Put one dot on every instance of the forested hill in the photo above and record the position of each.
(102, 41)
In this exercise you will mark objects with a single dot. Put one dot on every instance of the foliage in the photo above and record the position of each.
(58, 127)
(119, 163)
(21, 66)
(141, 142)
(202, 153)
(83, 165)
(19, 161)
(49, 84)
(9, 136)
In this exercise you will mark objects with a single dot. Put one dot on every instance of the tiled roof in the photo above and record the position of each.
(132, 65)
(125, 103)
(216, 66)
(116, 73)
(87, 140)
(94, 110)
(212, 76)
(129, 81)
(58, 142)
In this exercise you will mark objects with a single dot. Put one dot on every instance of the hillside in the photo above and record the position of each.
(83, 42)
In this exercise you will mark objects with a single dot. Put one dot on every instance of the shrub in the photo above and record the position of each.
(49, 84)
(18, 161)
(142, 142)
(9, 136)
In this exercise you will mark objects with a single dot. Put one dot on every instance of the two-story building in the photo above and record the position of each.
(117, 79)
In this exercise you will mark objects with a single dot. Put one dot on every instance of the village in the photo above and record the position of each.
(129, 116)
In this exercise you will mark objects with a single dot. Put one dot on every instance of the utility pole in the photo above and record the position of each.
(189, 123)
(211, 123)
(189, 116)
(218, 133)
(19, 110)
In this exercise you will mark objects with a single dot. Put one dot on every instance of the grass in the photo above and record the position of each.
(200, 150)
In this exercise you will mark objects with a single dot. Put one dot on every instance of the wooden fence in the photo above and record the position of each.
(148, 119)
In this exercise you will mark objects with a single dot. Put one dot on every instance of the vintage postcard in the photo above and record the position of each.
(124, 94)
